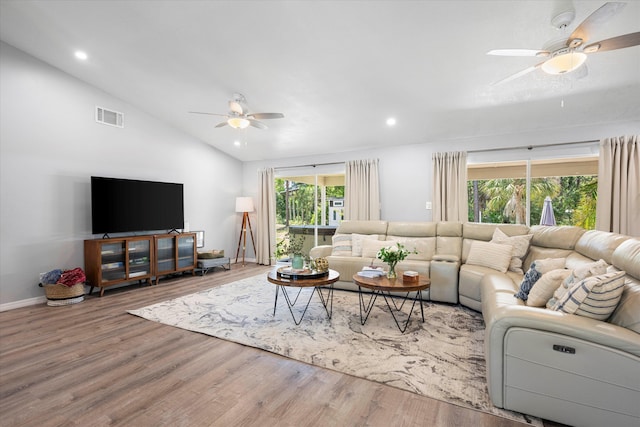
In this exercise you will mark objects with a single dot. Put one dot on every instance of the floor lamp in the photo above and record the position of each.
(244, 205)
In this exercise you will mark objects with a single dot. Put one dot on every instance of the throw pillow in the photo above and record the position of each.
(537, 269)
(492, 255)
(520, 247)
(591, 269)
(543, 289)
(370, 248)
(595, 296)
(341, 245)
(356, 242)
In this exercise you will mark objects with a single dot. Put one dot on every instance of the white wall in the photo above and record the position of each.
(50, 146)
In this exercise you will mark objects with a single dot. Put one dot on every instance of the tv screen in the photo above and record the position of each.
(126, 205)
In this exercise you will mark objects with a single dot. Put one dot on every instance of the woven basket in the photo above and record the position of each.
(64, 294)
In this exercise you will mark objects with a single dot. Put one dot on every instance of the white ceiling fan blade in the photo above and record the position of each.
(221, 124)
(517, 75)
(263, 116)
(257, 124)
(518, 52)
(619, 42)
(594, 20)
(208, 114)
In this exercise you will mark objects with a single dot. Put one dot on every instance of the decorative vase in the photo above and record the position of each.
(298, 262)
(391, 274)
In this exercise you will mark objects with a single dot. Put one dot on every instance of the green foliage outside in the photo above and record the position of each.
(302, 207)
(301, 202)
(504, 200)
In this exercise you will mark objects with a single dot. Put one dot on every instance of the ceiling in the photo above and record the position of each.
(336, 69)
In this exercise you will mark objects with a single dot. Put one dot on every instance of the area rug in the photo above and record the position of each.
(442, 358)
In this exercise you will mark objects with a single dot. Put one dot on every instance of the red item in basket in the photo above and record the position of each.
(72, 277)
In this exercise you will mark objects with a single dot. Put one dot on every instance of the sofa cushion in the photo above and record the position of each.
(595, 296)
(557, 237)
(533, 274)
(425, 247)
(356, 242)
(599, 244)
(520, 247)
(362, 227)
(492, 255)
(371, 247)
(544, 288)
(342, 245)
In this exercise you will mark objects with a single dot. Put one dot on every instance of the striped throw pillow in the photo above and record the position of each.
(341, 245)
(492, 255)
(596, 296)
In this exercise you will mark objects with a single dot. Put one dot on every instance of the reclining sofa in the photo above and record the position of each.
(541, 361)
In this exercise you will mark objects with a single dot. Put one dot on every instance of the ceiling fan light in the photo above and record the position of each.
(238, 122)
(564, 63)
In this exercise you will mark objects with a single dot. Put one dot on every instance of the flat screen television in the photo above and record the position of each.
(127, 205)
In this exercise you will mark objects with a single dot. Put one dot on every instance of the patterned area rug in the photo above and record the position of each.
(442, 358)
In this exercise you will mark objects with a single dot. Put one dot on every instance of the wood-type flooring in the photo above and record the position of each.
(92, 364)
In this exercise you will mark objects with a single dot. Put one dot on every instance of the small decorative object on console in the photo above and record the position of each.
(410, 276)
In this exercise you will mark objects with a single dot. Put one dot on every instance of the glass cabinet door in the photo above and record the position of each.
(112, 257)
(185, 251)
(139, 258)
(166, 254)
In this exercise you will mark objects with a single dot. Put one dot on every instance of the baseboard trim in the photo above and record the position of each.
(23, 303)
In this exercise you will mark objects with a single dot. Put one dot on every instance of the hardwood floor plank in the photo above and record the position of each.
(93, 364)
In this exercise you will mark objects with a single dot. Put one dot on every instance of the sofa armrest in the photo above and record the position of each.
(320, 251)
(502, 311)
(444, 278)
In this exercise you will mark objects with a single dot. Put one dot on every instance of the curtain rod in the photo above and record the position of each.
(310, 165)
(531, 147)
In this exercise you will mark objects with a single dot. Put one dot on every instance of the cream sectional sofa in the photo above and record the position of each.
(563, 367)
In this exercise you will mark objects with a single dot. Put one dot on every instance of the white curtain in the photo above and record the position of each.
(618, 207)
(450, 186)
(266, 210)
(362, 190)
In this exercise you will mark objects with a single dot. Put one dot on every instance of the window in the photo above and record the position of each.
(505, 193)
(309, 206)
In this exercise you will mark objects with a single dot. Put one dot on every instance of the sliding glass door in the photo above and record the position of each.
(309, 207)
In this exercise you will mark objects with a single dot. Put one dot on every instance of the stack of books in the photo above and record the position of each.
(371, 272)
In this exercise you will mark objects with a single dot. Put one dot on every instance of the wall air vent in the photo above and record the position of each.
(109, 117)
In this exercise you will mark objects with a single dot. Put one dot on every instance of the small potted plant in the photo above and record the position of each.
(292, 246)
(392, 255)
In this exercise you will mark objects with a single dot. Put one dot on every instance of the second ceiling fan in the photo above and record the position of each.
(564, 56)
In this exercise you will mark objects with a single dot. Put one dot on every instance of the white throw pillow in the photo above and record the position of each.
(535, 272)
(595, 297)
(356, 242)
(492, 255)
(520, 247)
(544, 288)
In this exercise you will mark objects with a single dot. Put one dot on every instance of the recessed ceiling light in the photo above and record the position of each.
(81, 55)
(236, 143)
(391, 121)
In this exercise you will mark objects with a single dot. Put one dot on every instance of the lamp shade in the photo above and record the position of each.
(244, 204)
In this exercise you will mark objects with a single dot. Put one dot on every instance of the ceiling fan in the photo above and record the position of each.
(567, 55)
(239, 117)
